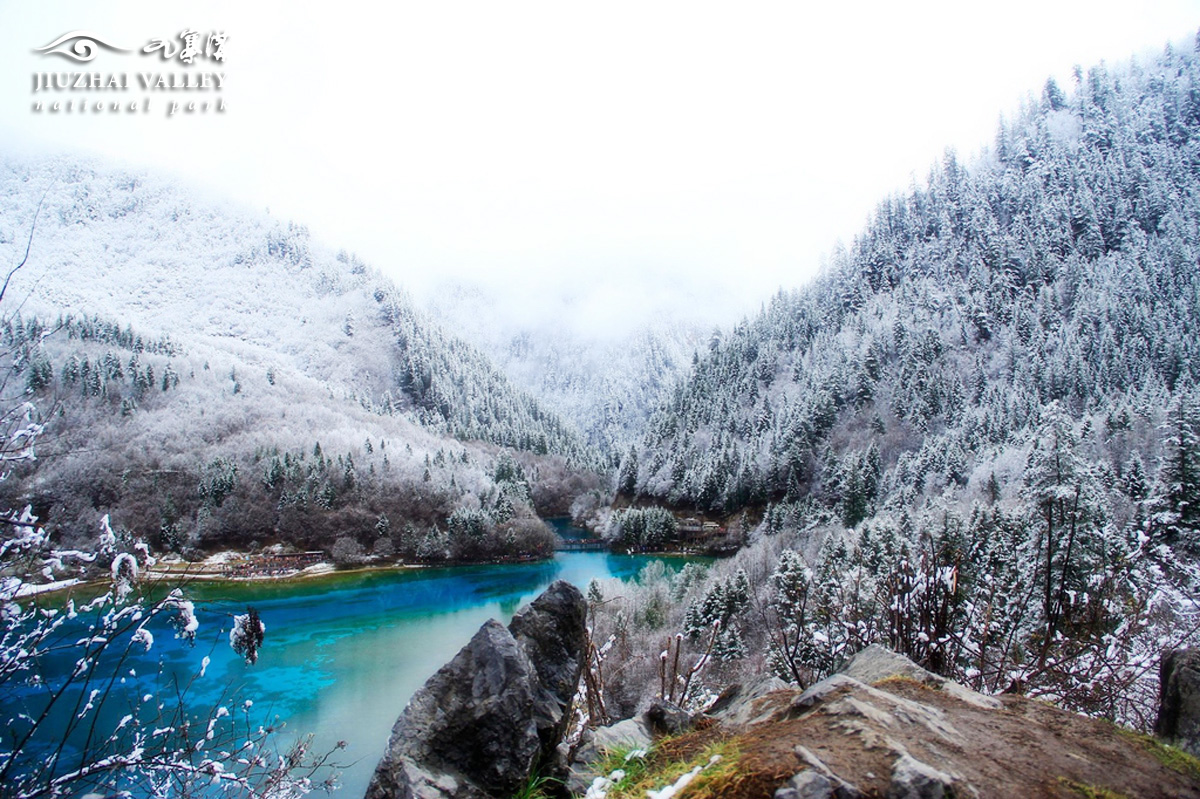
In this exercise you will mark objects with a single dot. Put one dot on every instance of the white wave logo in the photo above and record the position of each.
(83, 48)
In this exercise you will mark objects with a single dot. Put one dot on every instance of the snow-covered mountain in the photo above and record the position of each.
(1056, 278)
(976, 438)
(208, 374)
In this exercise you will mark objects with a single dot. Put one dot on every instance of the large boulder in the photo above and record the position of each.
(1179, 699)
(482, 723)
(469, 731)
(553, 633)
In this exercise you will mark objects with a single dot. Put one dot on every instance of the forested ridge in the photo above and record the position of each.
(209, 377)
(1059, 270)
(974, 439)
(606, 385)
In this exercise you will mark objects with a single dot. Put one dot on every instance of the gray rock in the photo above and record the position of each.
(877, 663)
(912, 779)
(1179, 699)
(841, 788)
(481, 724)
(470, 729)
(422, 784)
(817, 693)
(806, 785)
(579, 777)
(627, 734)
(665, 718)
(553, 633)
(736, 704)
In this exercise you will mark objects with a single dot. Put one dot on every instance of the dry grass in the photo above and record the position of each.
(714, 764)
(1090, 791)
(731, 767)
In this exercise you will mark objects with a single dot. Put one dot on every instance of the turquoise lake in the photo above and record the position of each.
(342, 656)
(344, 652)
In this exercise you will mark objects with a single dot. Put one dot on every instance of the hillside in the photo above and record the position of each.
(1056, 272)
(976, 439)
(210, 377)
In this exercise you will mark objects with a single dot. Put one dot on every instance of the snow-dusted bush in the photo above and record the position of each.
(71, 731)
(346, 551)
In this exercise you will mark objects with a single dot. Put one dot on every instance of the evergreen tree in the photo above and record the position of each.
(627, 477)
(1176, 502)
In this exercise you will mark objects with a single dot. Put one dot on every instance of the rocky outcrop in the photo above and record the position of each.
(1179, 699)
(878, 663)
(552, 631)
(666, 718)
(886, 728)
(737, 703)
(485, 720)
(883, 727)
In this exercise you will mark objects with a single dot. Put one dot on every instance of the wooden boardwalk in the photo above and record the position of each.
(582, 545)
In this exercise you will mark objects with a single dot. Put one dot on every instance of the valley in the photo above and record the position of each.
(973, 439)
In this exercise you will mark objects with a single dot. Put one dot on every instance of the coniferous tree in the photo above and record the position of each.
(1176, 501)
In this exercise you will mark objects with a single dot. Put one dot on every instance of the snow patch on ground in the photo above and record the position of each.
(319, 568)
(28, 589)
(222, 558)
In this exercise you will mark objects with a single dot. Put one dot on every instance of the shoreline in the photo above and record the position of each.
(184, 575)
(214, 570)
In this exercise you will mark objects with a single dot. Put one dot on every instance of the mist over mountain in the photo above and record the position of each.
(606, 373)
(210, 375)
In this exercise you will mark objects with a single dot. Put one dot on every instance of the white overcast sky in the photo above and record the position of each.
(691, 150)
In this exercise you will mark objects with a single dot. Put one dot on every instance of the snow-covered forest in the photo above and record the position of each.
(211, 377)
(976, 438)
(1058, 270)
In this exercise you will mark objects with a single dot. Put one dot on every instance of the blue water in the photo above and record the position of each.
(343, 654)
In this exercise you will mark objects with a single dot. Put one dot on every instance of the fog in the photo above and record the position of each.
(607, 164)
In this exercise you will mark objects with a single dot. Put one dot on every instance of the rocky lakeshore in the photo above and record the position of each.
(491, 722)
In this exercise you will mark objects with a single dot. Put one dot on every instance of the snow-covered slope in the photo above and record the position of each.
(1057, 275)
(173, 341)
